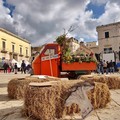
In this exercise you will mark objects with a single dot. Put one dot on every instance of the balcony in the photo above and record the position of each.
(3, 50)
(10, 53)
(27, 56)
(21, 55)
(13, 53)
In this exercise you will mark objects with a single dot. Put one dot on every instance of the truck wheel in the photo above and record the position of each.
(78, 77)
(88, 72)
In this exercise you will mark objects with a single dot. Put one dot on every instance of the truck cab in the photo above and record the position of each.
(48, 61)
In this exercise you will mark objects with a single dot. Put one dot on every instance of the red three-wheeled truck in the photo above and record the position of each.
(49, 62)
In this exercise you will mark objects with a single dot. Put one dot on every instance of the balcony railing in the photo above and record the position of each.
(27, 56)
(3, 50)
(21, 55)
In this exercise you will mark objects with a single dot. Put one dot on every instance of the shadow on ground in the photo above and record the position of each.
(11, 113)
(2, 85)
(4, 97)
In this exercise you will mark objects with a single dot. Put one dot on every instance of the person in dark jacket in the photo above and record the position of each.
(16, 68)
(108, 67)
(111, 64)
(23, 67)
(29, 69)
(5, 66)
(101, 67)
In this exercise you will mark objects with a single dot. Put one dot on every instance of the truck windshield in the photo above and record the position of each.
(42, 49)
(50, 52)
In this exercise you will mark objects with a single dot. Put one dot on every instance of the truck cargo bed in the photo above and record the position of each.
(76, 66)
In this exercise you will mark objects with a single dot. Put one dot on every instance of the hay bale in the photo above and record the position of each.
(40, 103)
(17, 86)
(99, 96)
(113, 81)
(94, 78)
(49, 102)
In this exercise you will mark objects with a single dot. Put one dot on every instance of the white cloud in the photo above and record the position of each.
(111, 13)
(99, 2)
(5, 19)
(41, 21)
(44, 20)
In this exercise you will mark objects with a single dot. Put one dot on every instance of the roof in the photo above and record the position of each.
(92, 42)
(10, 33)
(116, 23)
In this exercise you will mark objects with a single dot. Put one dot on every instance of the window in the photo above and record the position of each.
(50, 52)
(3, 45)
(106, 34)
(20, 50)
(26, 52)
(74, 47)
(108, 50)
(13, 48)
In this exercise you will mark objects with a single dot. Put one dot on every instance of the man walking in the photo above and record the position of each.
(112, 67)
(23, 67)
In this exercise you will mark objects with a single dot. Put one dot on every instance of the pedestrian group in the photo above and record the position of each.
(106, 67)
(14, 68)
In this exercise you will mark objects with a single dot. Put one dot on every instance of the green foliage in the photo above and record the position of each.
(61, 39)
(67, 57)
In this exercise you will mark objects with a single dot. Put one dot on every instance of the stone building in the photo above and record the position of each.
(13, 46)
(109, 39)
(93, 46)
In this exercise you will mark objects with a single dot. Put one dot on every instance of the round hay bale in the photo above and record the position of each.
(113, 81)
(49, 102)
(17, 86)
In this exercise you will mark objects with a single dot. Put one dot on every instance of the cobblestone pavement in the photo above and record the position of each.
(11, 109)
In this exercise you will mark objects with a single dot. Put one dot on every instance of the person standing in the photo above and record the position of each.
(104, 66)
(5, 66)
(23, 67)
(16, 68)
(112, 67)
(98, 68)
(108, 67)
(29, 69)
(101, 67)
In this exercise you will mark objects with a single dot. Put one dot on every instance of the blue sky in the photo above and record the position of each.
(9, 6)
(41, 21)
(98, 10)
